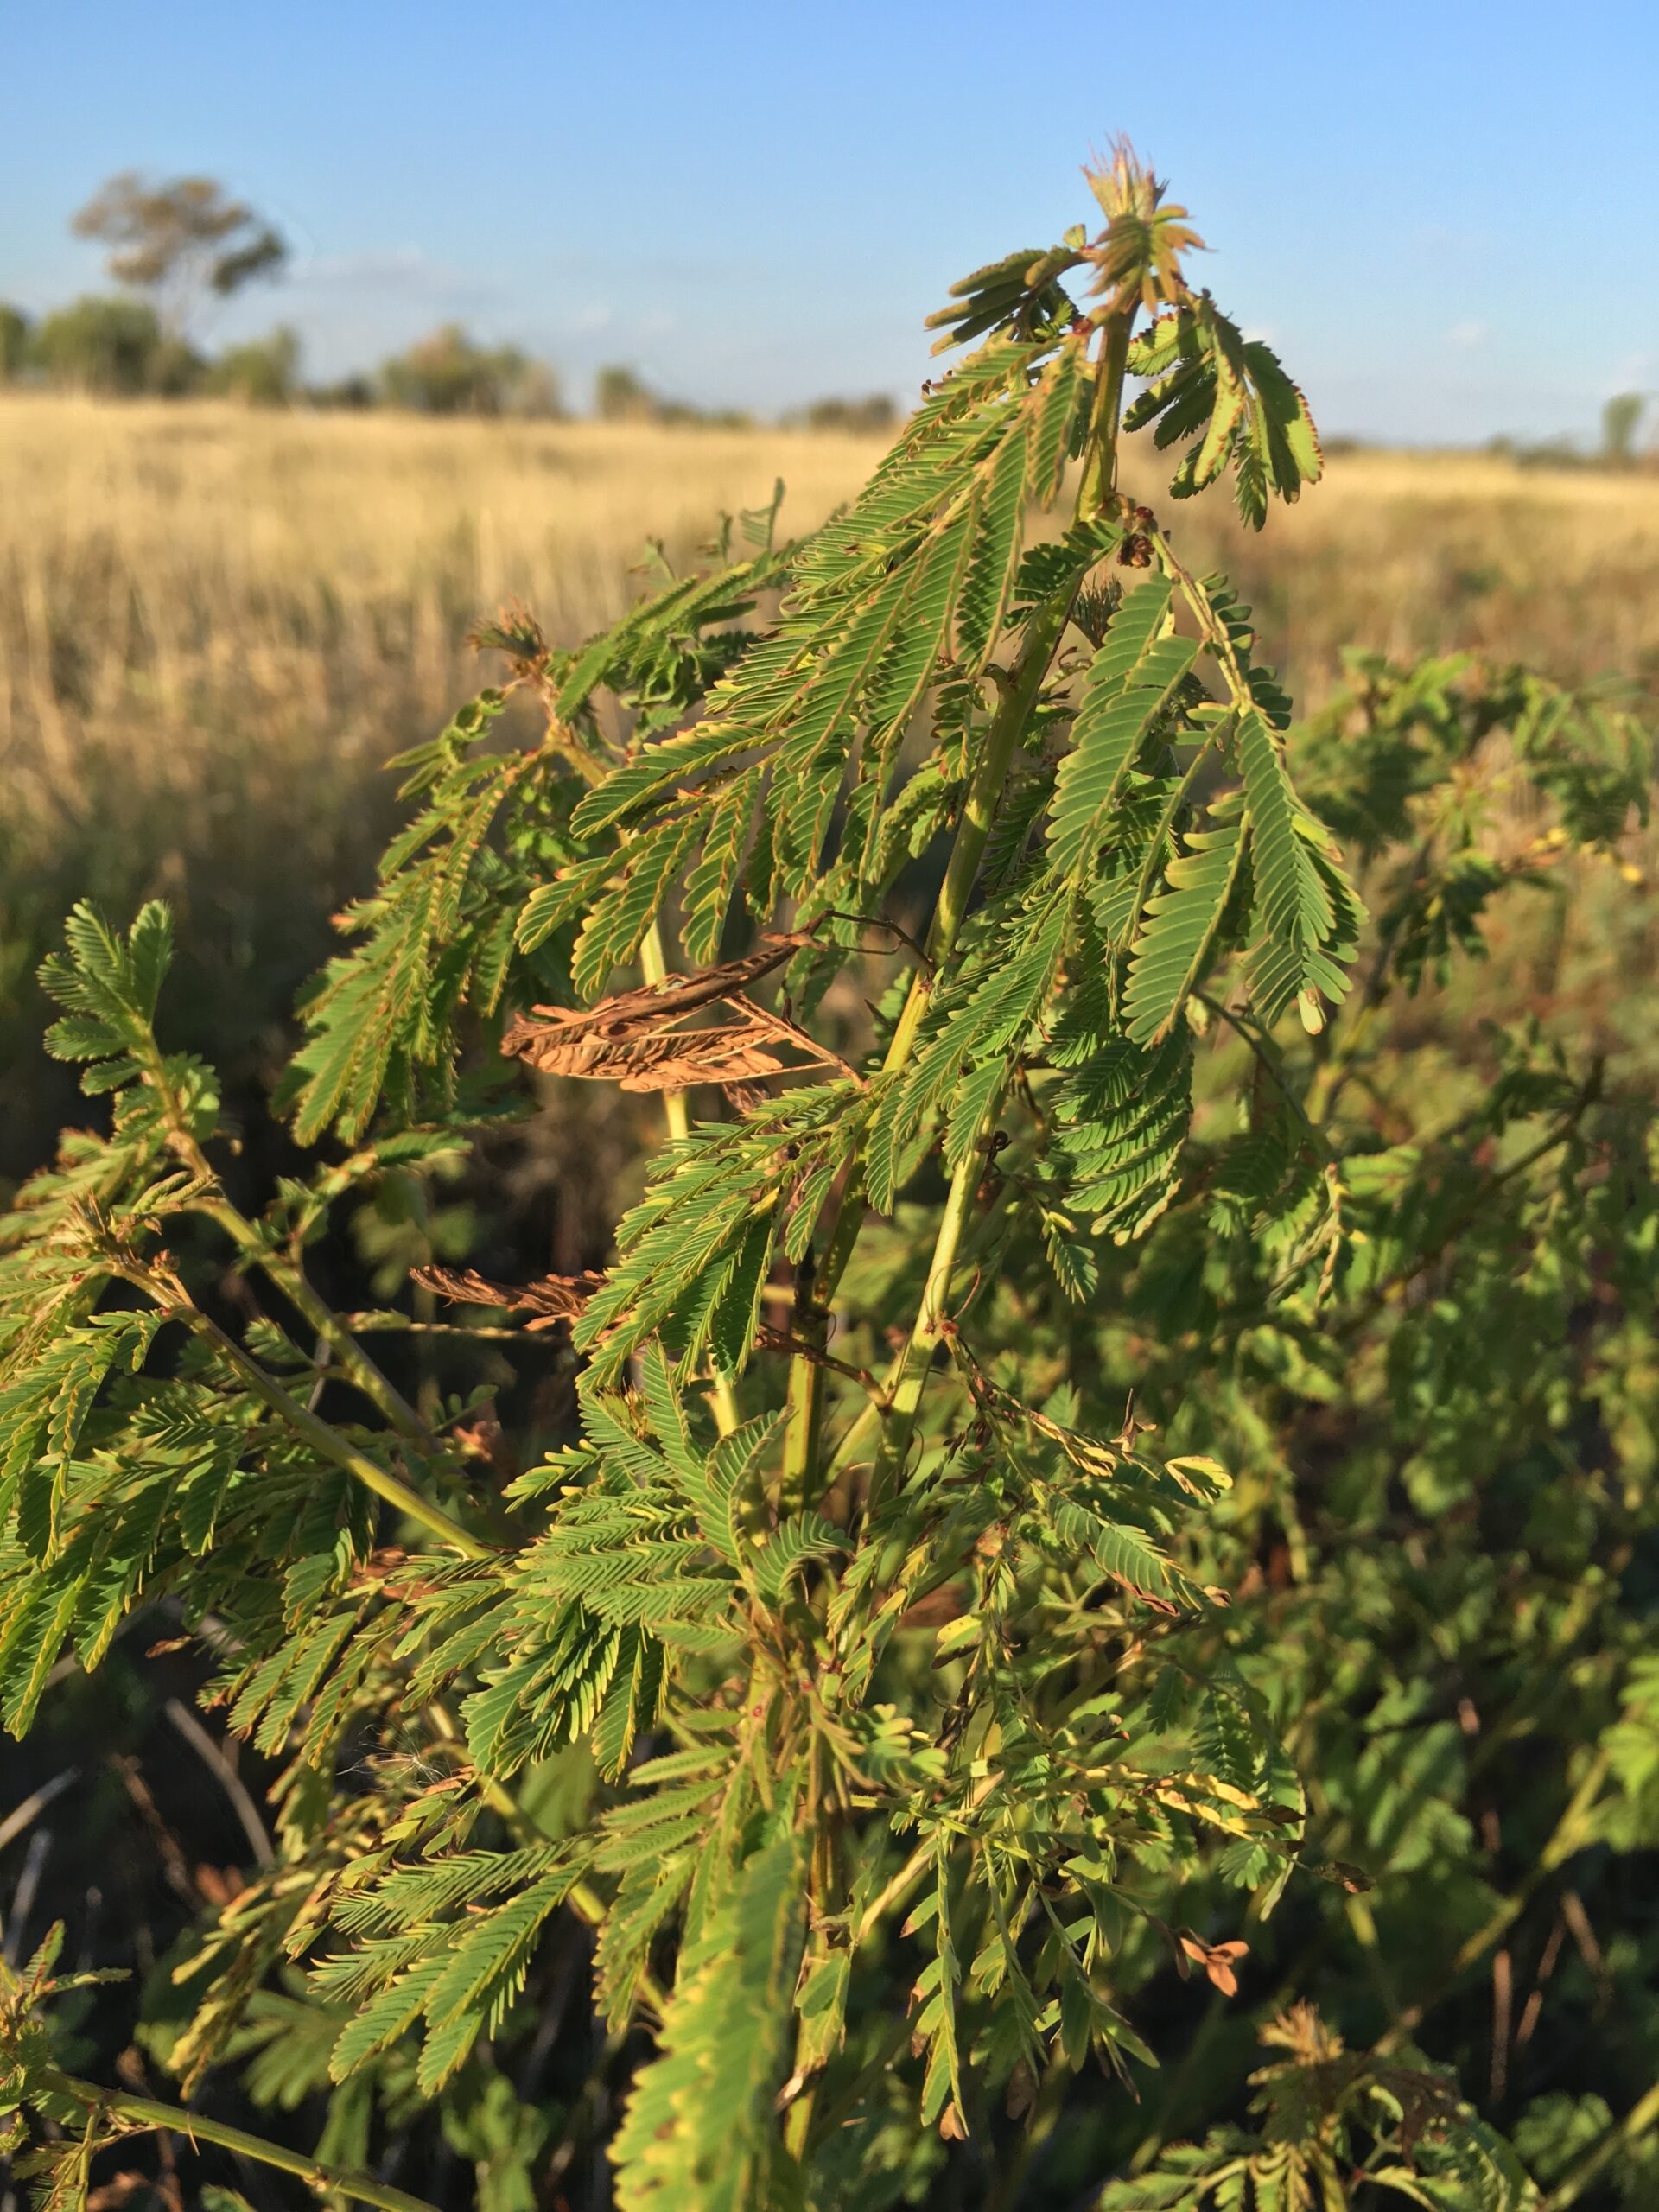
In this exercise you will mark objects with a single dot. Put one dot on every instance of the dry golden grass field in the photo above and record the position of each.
(216, 623)
(181, 580)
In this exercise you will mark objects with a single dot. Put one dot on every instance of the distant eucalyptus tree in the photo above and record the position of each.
(182, 242)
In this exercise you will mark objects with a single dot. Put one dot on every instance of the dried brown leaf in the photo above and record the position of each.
(732, 1051)
(654, 1005)
(1218, 1960)
(634, 1039)
(550, 1299)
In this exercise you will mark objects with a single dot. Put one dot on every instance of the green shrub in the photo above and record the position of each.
(867, 417)
(114, 346)
(14, 342)
(621, 395)
(1108, 1508)
(449, 374)
(264, 372)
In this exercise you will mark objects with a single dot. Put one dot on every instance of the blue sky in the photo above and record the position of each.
(1446, 217)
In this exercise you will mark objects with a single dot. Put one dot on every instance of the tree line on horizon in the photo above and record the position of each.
(176, 246)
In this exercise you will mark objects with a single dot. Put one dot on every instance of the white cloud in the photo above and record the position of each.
(1467, 337)
(404, 270)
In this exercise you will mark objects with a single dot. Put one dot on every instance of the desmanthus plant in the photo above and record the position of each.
(891, 1706)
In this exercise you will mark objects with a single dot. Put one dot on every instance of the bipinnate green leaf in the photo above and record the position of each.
(1209, 384)
(108, 988)
(1306, 909)
(698, 2132)
(1179, 930)
(1130, 682)
(1016, 292)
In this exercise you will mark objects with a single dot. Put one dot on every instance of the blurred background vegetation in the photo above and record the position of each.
(217, 618)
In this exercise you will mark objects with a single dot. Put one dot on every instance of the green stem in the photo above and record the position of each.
(1021, 686)
(327, 1442)
(1099, 483)
(932, 1320)
(803, 1441)
(1267, 1055)
(654, 965)
(1335, 1070)
(286, 1275)
(289, 1277)
(145, 2113)
(798, 2121)
(804, 1412)
(1214, 633)
(1007, 726)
